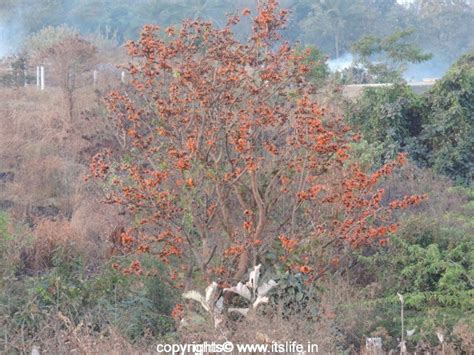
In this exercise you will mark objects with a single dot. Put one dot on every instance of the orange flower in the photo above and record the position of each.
(126, 239)
(183, 164)
(248, 226)
(178, 312)
(305, 269)
(190, 182)
(234, 250)
(143, 249)
(220, 270)
(288, 244)
(257, 242)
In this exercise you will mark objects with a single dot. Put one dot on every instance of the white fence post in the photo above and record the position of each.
(373, 346)
(122, 77)
(95, 77)
(42, 78)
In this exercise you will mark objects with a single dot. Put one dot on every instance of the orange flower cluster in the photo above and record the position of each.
(234, 250)
(135, 268)
(407, 201)
(178, 312)
(305, 269)
(288, 244)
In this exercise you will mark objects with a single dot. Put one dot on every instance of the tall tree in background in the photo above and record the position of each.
(385, 59)
(341, 21)
(445, 27)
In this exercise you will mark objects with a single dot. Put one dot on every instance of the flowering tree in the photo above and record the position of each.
(227, 156)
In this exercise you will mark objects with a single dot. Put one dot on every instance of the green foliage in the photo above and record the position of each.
(394, 52)
(9, 248)
(395, 47)
(317, 62)
(390, 118)
(292, 296)
(135, 306)
(3, 225)
(430, 262)
(18, 75)
(436, 129)
(445, 27)
(96, 295)
(448, 133)
(368, 155)
(335, 21)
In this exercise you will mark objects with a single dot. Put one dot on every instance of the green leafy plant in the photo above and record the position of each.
(390, 118)
(448, 130)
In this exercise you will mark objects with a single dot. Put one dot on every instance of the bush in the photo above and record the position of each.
(448, 132)
(437, 129)
(137, 308)
(430, 262)
(51, 276)
(390, 118)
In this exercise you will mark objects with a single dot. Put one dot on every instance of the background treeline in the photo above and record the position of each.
(443, 28)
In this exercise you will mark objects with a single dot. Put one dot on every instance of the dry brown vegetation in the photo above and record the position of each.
(44, 158)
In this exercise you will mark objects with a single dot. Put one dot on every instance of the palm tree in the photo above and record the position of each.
(338, 20)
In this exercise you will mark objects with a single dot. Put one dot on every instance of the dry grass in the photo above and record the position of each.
(46, 154)
(60, 336)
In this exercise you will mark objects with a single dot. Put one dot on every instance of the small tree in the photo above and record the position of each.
(394, 53)
(68, 56)
(229, 161)
(448, 132)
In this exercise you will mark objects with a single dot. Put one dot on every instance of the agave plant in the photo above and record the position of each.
(251, 291)
(211, 302)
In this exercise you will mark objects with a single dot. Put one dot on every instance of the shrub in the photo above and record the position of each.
(435, 129)
(390, 118)
(448, 130)
(72, 298)
(228, 156)
(430, 262)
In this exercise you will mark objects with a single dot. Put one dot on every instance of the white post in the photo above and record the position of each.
(42, 78)
(373, 346)
(122, 77)
(95, 77)
(25, 74)
(37, 76)
(403, 347)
